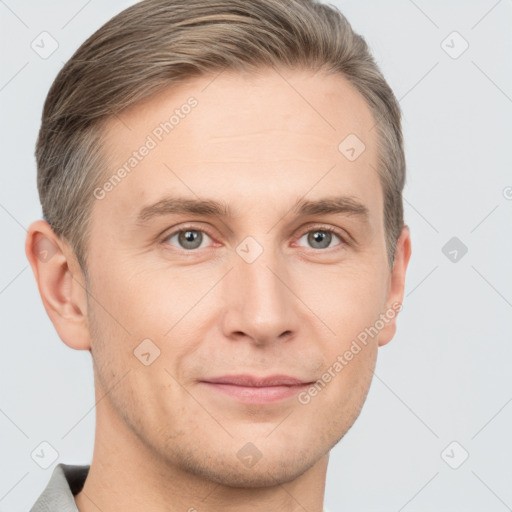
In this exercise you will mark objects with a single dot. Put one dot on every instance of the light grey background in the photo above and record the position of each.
(445, 377)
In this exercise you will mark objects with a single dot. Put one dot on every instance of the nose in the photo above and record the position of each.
(259, 305)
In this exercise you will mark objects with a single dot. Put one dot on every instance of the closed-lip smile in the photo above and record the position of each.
(254, 389)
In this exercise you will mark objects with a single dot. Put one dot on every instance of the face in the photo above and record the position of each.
(241, 242)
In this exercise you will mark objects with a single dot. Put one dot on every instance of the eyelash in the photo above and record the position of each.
(328, 229)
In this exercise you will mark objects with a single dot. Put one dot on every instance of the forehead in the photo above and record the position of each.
(243, 136)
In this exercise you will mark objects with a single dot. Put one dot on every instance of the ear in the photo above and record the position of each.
(61, 284)
(396, 286)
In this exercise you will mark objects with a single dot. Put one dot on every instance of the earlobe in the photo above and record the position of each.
(396, 285)
(60, 282)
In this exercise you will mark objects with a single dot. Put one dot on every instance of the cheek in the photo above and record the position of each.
(144, 303)
(348, 298)
(142, 317)
(351, 304)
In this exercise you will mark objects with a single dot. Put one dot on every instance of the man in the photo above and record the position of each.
(221, 186)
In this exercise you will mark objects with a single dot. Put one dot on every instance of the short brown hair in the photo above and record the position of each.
(157, 43)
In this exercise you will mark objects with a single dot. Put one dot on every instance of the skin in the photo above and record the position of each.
(164, 440)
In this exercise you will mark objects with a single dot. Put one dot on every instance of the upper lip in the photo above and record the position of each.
(254, 381)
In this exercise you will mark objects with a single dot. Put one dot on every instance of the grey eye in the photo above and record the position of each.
(319, 238)
(188, 239)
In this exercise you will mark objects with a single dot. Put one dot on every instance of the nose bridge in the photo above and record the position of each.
(259, 304)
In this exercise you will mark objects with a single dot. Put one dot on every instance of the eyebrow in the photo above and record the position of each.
(178, 205)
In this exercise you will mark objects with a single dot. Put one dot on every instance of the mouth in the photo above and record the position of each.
(257, 390)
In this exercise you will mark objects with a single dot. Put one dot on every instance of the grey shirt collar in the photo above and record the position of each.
(58, 495)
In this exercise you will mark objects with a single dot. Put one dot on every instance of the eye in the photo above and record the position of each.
(188, 239)
(321, 237)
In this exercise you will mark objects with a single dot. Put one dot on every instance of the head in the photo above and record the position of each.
(221, 188)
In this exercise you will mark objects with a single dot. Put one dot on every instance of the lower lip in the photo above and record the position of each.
(257, 395)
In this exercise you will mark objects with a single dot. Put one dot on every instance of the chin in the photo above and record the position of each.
(267, 472)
